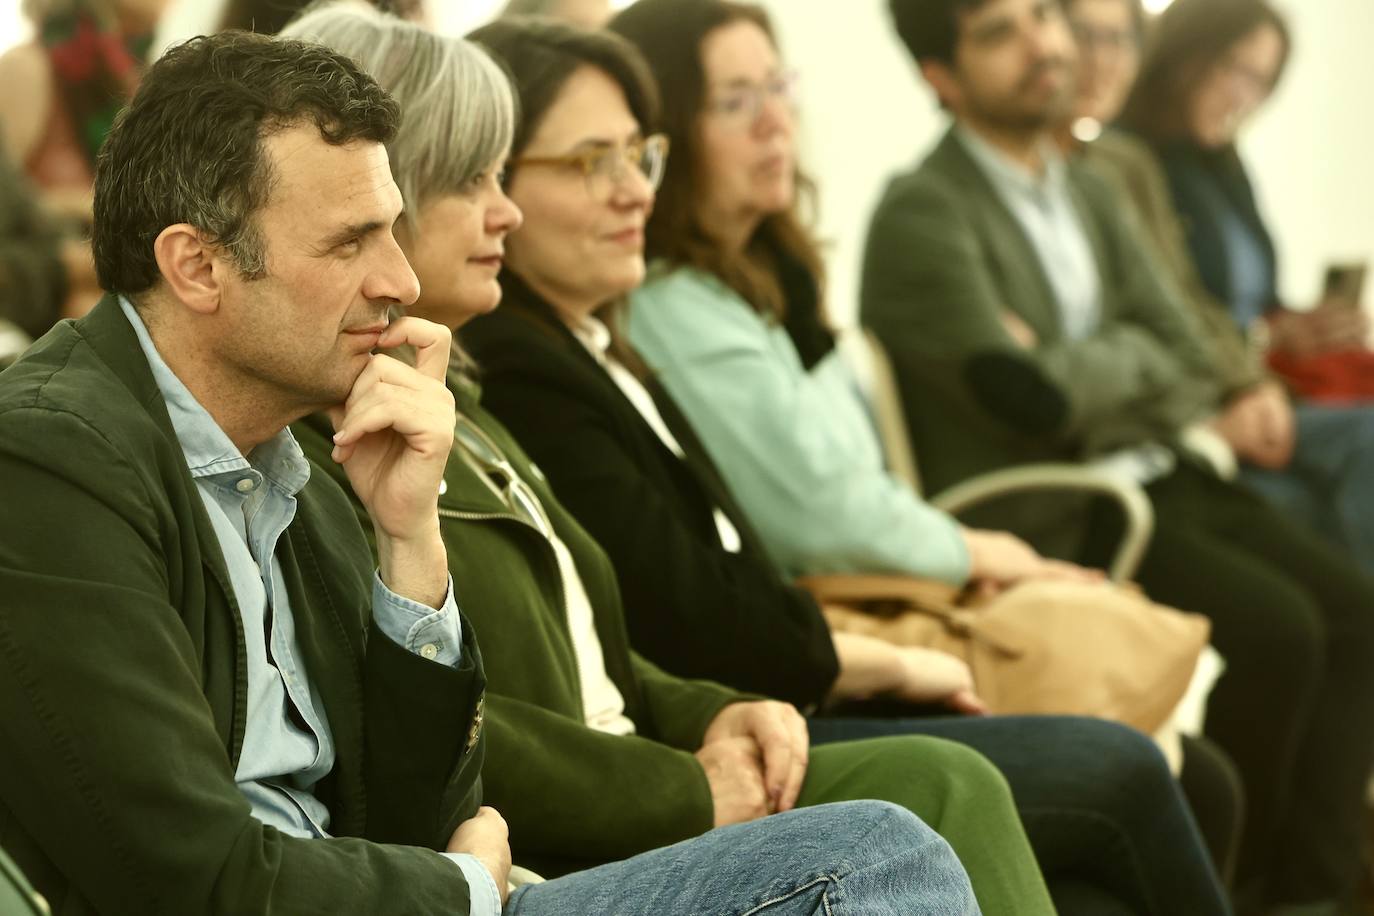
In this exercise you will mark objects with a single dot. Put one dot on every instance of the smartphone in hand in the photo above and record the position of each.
(1344, 284)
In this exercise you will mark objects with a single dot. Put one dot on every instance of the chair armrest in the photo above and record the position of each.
(1135, 505)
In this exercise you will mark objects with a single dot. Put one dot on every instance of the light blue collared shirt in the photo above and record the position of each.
(287, 746)
(1045, 209)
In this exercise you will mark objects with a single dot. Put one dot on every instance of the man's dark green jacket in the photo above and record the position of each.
(123, 679)
(573, 797)
(946, 260)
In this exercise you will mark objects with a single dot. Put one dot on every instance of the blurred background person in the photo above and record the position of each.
(1315, 461)
(34, 269)
(77, 72)
(1208, 67)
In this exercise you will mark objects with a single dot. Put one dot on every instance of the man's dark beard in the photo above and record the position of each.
(1040, 69)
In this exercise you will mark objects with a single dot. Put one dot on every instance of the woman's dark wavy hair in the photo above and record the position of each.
(670, 35)
(540, 55)
(1185, 42)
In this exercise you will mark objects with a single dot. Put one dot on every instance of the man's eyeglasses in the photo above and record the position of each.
(484, 457)
(606, 167)
(741, 104)
(1257, 83)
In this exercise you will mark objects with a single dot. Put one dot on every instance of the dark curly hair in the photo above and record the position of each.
(188, 149)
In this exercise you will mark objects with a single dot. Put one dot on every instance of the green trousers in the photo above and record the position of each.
(957, 792)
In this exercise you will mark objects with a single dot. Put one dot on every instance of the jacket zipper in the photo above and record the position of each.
(562, 589)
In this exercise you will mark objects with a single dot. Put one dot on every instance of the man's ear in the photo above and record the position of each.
(941, 78)
(190, 267)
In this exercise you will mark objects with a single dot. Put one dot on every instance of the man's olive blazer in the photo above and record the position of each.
(945, 260)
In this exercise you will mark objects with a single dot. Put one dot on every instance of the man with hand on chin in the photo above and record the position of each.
(196, 694)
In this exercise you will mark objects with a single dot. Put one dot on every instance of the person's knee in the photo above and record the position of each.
(899, 861)
(881, 824)
(1284, 643)
(959, 773)
(1128, 763)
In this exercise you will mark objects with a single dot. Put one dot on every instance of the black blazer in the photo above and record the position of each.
(692, 607)
(1206, 186)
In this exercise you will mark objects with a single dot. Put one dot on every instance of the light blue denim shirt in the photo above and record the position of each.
(1045, 209)
(287, 747)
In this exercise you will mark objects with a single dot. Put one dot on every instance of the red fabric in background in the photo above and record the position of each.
(1341, 377)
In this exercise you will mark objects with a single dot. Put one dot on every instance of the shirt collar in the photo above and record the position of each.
(210, 453)
(593, 334)
(1007, 174)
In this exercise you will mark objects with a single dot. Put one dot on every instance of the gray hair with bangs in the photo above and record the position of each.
(457, 107)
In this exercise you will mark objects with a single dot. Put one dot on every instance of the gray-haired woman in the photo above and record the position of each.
(508, 537)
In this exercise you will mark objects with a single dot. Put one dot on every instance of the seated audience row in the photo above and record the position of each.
(560, 672)
(216, 705)
(1008, 280)
(1310, 452)
(356, 631)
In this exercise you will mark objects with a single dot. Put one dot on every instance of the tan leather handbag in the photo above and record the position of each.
(1063, 648)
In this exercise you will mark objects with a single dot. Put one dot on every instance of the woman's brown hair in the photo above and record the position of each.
(670, 35)
(1184, 43)
(540, 55)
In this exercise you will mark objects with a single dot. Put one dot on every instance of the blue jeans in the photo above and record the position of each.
(1104, 816)
(863, 858)
(1329, 484)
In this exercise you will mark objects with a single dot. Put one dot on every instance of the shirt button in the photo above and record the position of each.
(429, 651)
(246, 485)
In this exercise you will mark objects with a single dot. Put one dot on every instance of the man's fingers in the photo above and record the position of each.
(383, 369)
(386, 407)
(431, 341)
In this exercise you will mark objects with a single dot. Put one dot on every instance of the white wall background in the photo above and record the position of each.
(866, 115)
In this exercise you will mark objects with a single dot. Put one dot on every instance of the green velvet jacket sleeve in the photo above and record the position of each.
(574, 796)
(933, 285)
(113, 762)
(681, 708)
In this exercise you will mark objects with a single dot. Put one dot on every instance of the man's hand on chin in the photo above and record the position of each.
(393, 436)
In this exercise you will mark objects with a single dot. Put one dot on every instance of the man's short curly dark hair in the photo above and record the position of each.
(188, 149)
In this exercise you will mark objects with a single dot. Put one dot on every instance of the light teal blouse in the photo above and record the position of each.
(796, 447)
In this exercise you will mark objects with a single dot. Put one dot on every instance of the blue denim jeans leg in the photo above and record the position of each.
(863, 858)
(1329, 484)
